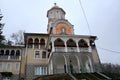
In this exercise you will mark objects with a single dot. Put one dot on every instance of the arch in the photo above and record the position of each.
(86, 62)
(71, 43)
(7, 52)
(2, 52)
(36, 43)
(30, 43)
(82, 43)
(59, 64)
(73, 64)
(18, 53)
(59, 43)
(12, 52)
(42, 41)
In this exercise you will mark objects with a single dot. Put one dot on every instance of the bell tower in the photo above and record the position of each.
(57, 24)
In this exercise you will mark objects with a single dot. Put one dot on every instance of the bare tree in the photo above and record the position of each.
(110, 68)
(18, 37)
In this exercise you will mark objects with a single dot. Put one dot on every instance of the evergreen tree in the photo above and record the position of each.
(2, 38)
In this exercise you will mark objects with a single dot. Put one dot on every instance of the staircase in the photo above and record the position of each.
(75, 76)
(90, 76)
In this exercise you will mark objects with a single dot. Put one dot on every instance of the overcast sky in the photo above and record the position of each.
(103, 17)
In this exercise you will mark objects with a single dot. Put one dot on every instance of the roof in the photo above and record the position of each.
(55, 7)
(25, 34)
(7, 46)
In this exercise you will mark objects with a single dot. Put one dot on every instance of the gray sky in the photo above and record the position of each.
(103, 17)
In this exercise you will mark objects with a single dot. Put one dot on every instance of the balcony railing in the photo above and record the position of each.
(71, 49)
(59, 49)
(10, 57)
(84, 49)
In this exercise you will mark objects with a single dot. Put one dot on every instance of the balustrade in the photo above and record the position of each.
(71, 49)
(3, 57)
(84, 49)
(59, 49)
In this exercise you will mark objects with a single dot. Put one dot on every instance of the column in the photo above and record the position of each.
(78, 50)
(53, 48)
(78, 60)
(33, 43)
(91, 67)
(66, 63)
(65, 46)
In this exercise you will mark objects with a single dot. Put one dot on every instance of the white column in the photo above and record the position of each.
(65, 46)
(51, 70)
(91, 67)
(78, 60)
(39, 44)
(66, 64)
(33, 43)
(78, 50)
(53, 48)
(8, 57)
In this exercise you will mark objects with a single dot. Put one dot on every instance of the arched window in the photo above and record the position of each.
(30, 43)
(12, 52)
(63, 30)
(7, 52)
(82, 43)
(36, 43)
(71, 43)
(1, 52)
(18, 53)
(42, 43)
(59, 43)
(71, 46)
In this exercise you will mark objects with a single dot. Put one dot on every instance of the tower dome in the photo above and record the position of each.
(55, 13)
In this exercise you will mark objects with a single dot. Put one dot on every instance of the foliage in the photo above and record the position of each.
(3, 41)
(2, 38)
(110, 68)
(18, 37)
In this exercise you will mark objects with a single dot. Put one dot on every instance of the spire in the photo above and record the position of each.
(55, 4)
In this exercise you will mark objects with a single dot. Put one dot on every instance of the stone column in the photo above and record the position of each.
(78, 60)
(53, 48)
(78, 50)
(65, 46)
(33, 43)
(66, 62)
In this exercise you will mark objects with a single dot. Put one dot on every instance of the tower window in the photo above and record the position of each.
(8, 67)
(17, 66)
(30, 43)
(63, 31)
(43, 54)
(37, 54)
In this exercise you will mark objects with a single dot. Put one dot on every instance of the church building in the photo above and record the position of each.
(57, 51)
